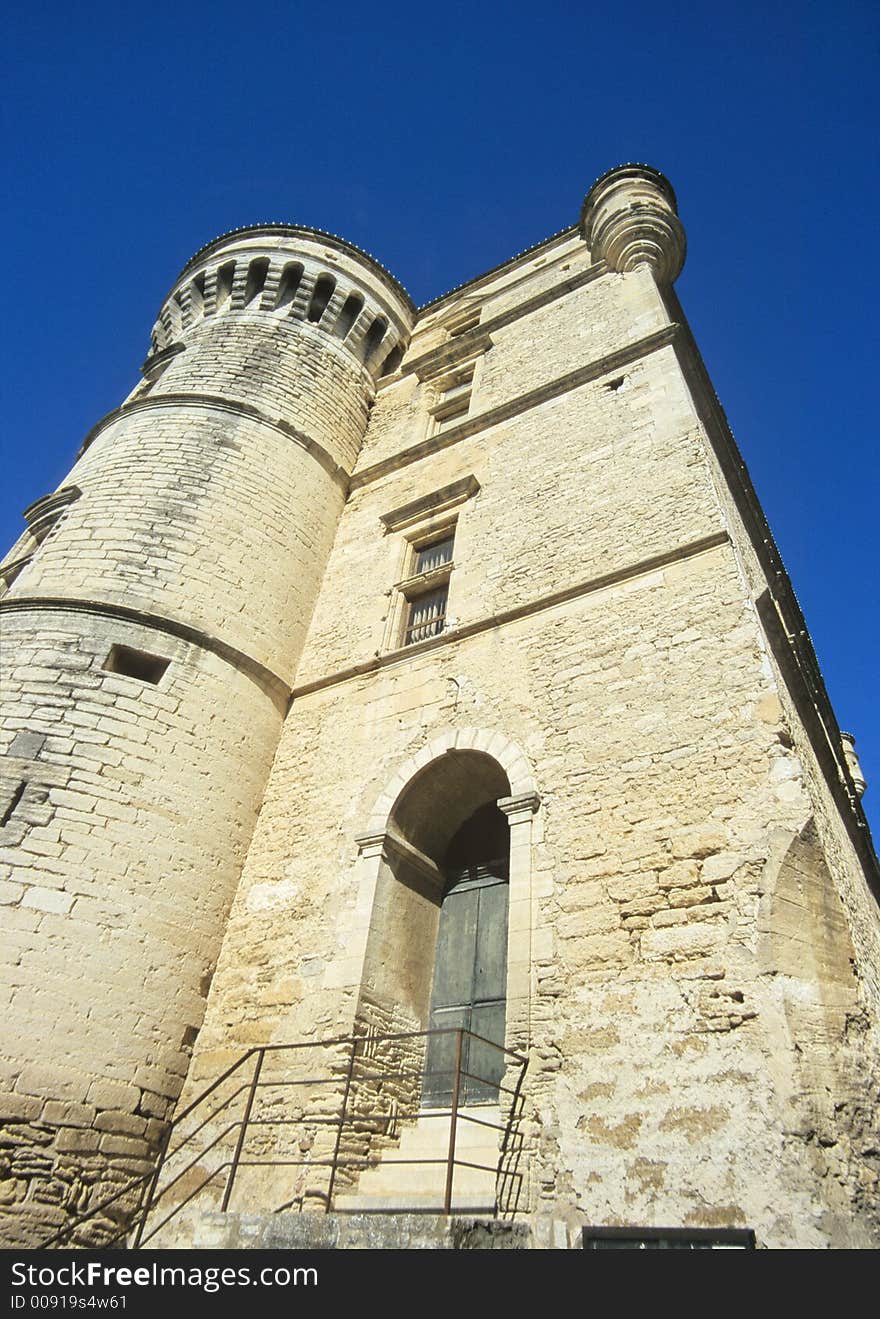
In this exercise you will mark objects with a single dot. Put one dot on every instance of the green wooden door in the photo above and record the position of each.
(469, 990)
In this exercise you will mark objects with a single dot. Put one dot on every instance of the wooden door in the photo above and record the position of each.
(470, 986)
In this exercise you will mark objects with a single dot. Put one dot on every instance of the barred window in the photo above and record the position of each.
(433, 556)
(427, 615)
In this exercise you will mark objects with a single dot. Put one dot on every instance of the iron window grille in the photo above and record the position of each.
(427, 615)
(433, 556)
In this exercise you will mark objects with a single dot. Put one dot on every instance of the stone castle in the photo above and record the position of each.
(420, 802)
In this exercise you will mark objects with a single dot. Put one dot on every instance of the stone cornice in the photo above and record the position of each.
(389, 843)
(571, 231)
(423, 366)
(449, 496)
(521, 808)
(601, 366)
(504, 616)
(450, 355)
(277, 688)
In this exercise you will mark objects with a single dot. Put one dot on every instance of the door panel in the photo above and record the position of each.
(470, 973)
(485, 1064)
(456, 949)
(440, 1057)
(490, 966)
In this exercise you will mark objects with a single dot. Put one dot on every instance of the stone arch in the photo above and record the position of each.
(401, 878)
(497, 746)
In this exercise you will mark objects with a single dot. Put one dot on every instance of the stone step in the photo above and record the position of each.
(392, 1173)
(396, 1183)
(421, 1203)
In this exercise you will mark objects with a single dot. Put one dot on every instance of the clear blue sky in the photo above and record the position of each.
(443, 139)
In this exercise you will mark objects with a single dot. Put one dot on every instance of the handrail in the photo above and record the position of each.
(361, 1075)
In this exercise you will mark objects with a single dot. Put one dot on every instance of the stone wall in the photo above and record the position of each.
(149, 645)
(603, 624)
(692, 942)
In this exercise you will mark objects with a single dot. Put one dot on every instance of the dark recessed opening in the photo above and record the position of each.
(225, 276)
(289, 284)
(373, 338)
(135, 664)
(13, 802)
(321, 295)
(351, 309)
(615, 384)
(392, 361)
(256, 279)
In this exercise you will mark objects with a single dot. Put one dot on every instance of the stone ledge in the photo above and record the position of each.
(216, 1231)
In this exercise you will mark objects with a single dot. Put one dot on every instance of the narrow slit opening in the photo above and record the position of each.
(373, 339)
(197, 296)
(392, 361)
(225, 276)
(288, 285)
(256, 279)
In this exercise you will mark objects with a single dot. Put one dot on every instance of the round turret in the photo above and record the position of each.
(629, 218)
(151, 635)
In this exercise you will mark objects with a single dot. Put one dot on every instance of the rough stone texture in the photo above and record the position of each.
(693, 961)
(205, 515)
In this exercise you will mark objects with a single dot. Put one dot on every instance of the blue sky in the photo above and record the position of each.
(443, 139)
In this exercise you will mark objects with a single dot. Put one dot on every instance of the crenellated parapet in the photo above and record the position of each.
(286, 274)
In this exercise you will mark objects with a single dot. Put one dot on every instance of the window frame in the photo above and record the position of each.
(413, 585)
(453, 394)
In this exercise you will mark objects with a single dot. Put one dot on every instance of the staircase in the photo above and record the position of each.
(408, 1180)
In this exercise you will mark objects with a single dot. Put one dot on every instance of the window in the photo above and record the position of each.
(426, 616)
(418, 600)
(434, 555)
(130, 663)
(453, 399)
(426, 589)
(463, 320)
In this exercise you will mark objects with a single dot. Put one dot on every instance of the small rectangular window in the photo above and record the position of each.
(453, 397)
(426, 615)
(434, 555)
(454, 415)
(139, 664)
(419, 607)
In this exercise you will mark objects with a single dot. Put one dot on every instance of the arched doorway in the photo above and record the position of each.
(469, 986)
(406, 856)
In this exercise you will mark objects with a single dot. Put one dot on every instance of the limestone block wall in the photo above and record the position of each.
(161, 485)
(127, 814)
(664, 1073)
(613, 477)
(693, 1018)
(150, 638)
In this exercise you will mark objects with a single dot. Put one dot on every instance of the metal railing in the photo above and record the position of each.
(274, 1109)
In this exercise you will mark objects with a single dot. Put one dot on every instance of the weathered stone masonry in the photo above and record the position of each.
(693, 960)
(206, 509)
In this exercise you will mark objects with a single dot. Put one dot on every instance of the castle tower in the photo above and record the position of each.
(154, 619)
(491, 713)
